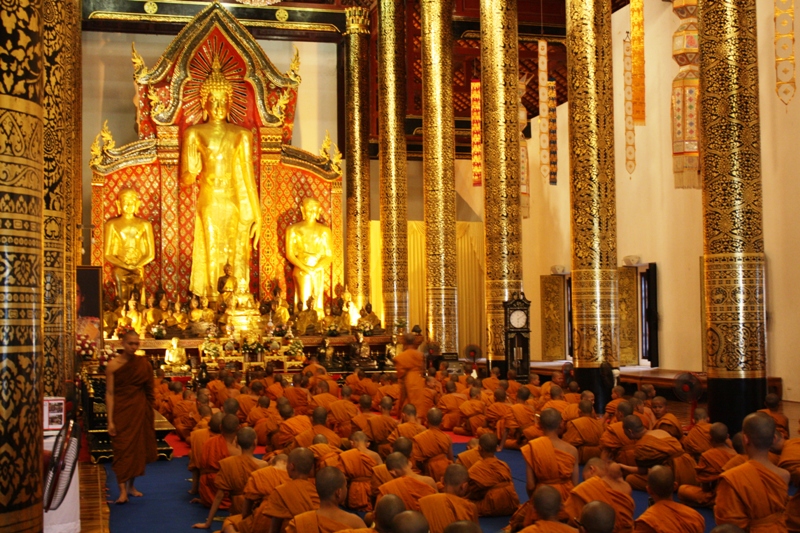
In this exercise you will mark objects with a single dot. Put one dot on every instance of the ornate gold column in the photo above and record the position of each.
(21, 253)
(357, 153)
(499, 85)
(392, 145)
(592, 191)
(732, 210)
(438, 159)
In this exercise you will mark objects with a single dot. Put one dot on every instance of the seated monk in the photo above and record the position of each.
(666, 515)
(442, 374)
(556, 400)
(185, 415)
(753, 496)
(666, 421)
(231, 407)
(557, 379)
(790, 461)
(698, 440)
(573, 393)
(773, 405)
(493, 380)
(385, 511)
(497, 417)
(333, 387)
(215, 450)
(534, 385)
(449, 404)
(173, 397)
(573, 411)
(358, 462)
(737, 441)
(429, 396)
(708, 469)
(369, 386)
(603, 482)
(617, 397)
(341, 413)
(359, 421)
(325, 454)
(645, 409)
(318, 419)
(597, 517)
(410, 522)
(433, 449)
(639, 410)
(585, 432)
(407, 485)
(513, 386)
(263, 420)
(472, 414)
(615, 444)
(381, 474)
(290, 427)
(248, 399)
(294, 497)
(275, 390)
(409, 427)
(323, 398)
(329, 518)
(521, 422)
(260, 485)
(656, 447)
(354, 382)
(650, 394)
(450, 506)
(313, 366)
(197, 441)
(547, 504)
(379, 428)
(215, 385)
(234, 473)
(228, 391)
(471, 455)
(491, 487)
(390, 389)
(298, 396)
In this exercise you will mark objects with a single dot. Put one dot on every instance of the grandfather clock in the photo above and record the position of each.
(518, 334)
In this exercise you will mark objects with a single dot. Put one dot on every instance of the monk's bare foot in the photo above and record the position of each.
(195, 500)
(122, 499)
(135, 493)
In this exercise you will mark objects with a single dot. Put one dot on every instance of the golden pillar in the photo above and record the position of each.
(500, 86)
(21, 252)
(592, 191)
(733, 251)
(357, 153)
(393, 180)
(438, 159)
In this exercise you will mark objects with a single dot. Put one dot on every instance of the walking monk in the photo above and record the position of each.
(708, 470)
(433, 449)
(261, 484)
(407, 485)
(358, 463)
(129, 406)
(410, 367)
(753, 496)
(342, 413)
(294, 497)
(665, 515)
(443, 509)
(585, 432)
(491, 487)
(547, 503)
(329, 518)
(603, 482)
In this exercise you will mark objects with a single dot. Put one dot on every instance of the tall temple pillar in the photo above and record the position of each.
(357, 153)
(592, 194)
(502, 225)
(21, 252)
(392, 145)
(438, 160)
(733, 249)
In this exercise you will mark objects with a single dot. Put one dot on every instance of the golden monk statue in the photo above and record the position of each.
(219, 154)
(175, 355)
(309, 247)
(226, 285)
(129, 244)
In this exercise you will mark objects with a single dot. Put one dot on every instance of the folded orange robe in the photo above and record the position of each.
(294, 497)
(135, 443)
(326, 455)
(618, 445)
(311, 522)
(265, 428)
(596, 489)
(256, 414)
(356, 388)
(431, 453)
(698, 440)
(449, 404)
(289, 430)
(513, 387)
(359, 422)
(261, 484)
(670, 424)
(246, 404)
(274, 391)
(306, 438)
(408, 489)
(753, 498)
(584, 433)
(408, 430)
(667, 516)
(491, 488)
(708, 469)
(298, 399)
(429, 399)
(548, 526)
(197, 440)
(234, 473)
(358, 469)
(369, 387)
(333, 386)
(214, 451)
(393, 392)
(646, 420)
(340, 415)
(536, 392)
(611, 408)
(322, 400)
(736, 460)
(571, 412)
(558, 405)
(781, 422)
(790, 460)
(185, 417)
(473, 417)
(380, 475)
(410, 367)
(550, 466)
(491, 383)
(520, 418)
(468, 458)
(651, 451)
(378, 430)
(572, 397)
(214, 386)
(440, 510)
(496, 418)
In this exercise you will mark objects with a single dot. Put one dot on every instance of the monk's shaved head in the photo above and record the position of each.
(759, 429)
(718, 433)
(410, 522)
(737, 441)
(359, 436)
(547, 502)
(396, 461)
(450, 387)
(475, 392)
(598, 517)
(463, 526)
(595, 465)
(585, 407)
(204, 411)
(302, 459)
(556, 392)
(230, 406)
(700, 414)
(365, 402)
(387, 403)
(550, 419)
(523, 394)
(323, 386)
(434, 417)
(472, 444)
(488, 443)
(346, 391)
(280, 458)
(625, 408)
(410, 410)
(215, 424)
(455, 475)
(386, 509)
(772, 401)
(659, 400)
(661, 481)
(286, 411)
(329, 480)
(633, 424)
(246, 437)
(500, 396)
(230, 424)
(263, 401)
(319, 416)
(320, 439)
(403, 445)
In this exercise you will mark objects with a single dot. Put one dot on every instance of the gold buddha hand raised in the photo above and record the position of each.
(309, 247)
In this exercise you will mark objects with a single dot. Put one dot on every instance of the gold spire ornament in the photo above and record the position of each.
(785, 84)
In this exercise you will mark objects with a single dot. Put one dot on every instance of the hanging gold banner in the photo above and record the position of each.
(630, 132)
(544, 114)
(524, 181)
(784, 50)
(685, 110)
(551, 93)
(637, 61)
(477, 142)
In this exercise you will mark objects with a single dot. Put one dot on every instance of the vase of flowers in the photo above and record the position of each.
(158, 331)
(85, 348)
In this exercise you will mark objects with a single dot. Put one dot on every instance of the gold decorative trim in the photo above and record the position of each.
(182, 19)
(718, 373)
(554, 317)
(523, 37)
(357, 20)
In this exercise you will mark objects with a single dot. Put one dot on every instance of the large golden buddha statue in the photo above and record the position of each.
(219, 154)
(309, 247)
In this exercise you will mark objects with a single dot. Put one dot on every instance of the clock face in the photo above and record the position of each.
(519, 319)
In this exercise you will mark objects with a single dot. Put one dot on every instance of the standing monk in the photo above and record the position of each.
(410, 367)
(131, 422)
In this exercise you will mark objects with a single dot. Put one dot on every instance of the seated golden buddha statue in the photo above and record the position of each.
(135, 316)
(181, 319)
(167, 315)
(307, 319)
(152, 315)
(110, 320)
(219, 155)
(206, 314)
(129, 244)
(280, 314)
(195, 312)
(327, 321)
(175, 356)
(371, 317)
(309, 247)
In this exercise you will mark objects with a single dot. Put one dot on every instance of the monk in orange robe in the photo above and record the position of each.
(381, 474)
(313, 366)
(129, 408)
(360, 421)
(645, 408)
(185, 415)
(430, 395)
(639, 410)
(380, 428)
(521, 418)
(491, 486)
(547, 504)
(325, 454)
(216, 385)
(392, 390)
(168, 402)
(260, 485)
(534, 386)
(513, 386)
(369, 386)
(264, 421)
(294, 497)
(556, 401)
(585, 432)
(443, 509)
(449, 405)
(698, 440)
(470, 456)
(198, 439)
(289, 428)
(615, 445)
(473, 414)
(492, 381)
(433, 449)
(329, 518)
(773, 405)
(318, 419)
(323, 398)
(354, 382)
(664, 420)
(790, 461)
(442, 374)
(358, 463)
(215, 450)
(407, 485)
(275, 390)
(753, 496)
(410, 367)
(498, 415)
(573, 393)
(341, 413)
(160, 386)
(557, 379)
(709, 468)
(573, 411)
(666, 515)
(617, 397)
(248, 399)
(298, 396)
(229, 390)
(603, 482)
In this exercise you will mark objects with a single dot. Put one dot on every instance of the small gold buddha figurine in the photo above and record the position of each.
(181, 319)
(206, 314)
(344, 323)
(371, 317)
(175, 356)
(226, 285)
(303, 319)
(167, 316)
(280, 314)
(363, 347)
(391, 350)
(327, 321)
(152, 315)
(135, 316)
(124, 321)
(195, 313)
(110, 319)
(309, 247)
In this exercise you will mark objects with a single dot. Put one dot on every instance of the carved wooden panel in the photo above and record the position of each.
(554, 318)
(628, 309)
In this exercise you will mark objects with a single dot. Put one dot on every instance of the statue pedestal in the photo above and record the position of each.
(244, 320)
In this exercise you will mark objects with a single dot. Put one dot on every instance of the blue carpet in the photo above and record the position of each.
(165, 506)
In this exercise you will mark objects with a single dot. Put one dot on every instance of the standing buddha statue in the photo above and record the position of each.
(309, 247)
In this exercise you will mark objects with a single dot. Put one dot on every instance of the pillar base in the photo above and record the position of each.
(730, 400)
(592, 379)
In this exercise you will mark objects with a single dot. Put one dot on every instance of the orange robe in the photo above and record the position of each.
(698, 440)
(246, 404)
(584, 433)
(359, 422)
(753, 498)
(468, 458)
(185, 417)
(256, 414)
(431, 453)
(322, 400)
(536, 392)
(326, 455)
(214, 451)
(781, 421)
(340, 416)
(472, 414)
(611, 408)
(408, 489)
(306, 438)
(333, 386)
(667, 516)
(651, 451)
(356, 388)
(572, 397)
(491, 488)
(274, 391)
(491, 383)
(298, 399)
(135, 443)
(618, 445)
(520, 418)
(449, 404)
(261, 484)
(311, 522)
(708, 469)
(511, 392)
(197, 440)
(234, 473)
(736, 460)
(393, 392)
(596, 489)
(369, 387)
(550, 466)
(497, 416)
(790, 460)
(548, 526)
(289, 430)
(358, 469)
(440, 510)
(214, 386)
(294, 497)
(571, 412)
(408, 430)
(265, 428)
(380, 475)
(670, 424)
(558, 405)
(379, 428)
(410, 367)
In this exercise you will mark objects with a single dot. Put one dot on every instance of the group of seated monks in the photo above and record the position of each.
(332, 452)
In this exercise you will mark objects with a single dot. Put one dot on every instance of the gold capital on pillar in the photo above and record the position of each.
(499, 87)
